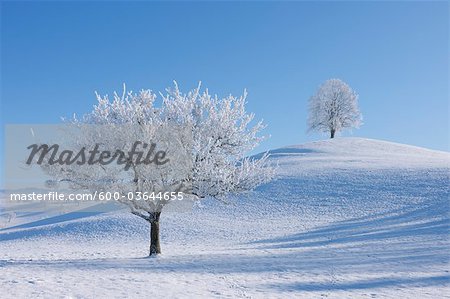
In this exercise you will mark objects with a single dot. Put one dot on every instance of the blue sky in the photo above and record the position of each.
(394, 54)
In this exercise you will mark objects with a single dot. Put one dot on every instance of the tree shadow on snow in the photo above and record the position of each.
(403, 240)
(438, 280)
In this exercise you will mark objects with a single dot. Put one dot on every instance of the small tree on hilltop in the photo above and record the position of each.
(333, 108)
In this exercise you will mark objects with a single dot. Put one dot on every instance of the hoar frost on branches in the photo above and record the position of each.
(333, 108)
(220, 136)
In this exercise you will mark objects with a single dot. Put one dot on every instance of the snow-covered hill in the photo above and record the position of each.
(345, 218)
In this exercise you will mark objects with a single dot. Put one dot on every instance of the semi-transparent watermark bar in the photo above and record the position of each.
(145, 164)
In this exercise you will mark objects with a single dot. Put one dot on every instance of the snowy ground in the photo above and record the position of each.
(347, 218)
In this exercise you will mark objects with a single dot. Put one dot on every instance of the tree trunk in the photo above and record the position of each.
(155, 246)
(332, 133)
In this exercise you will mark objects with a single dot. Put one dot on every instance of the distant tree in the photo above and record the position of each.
(333, 108)
(216, 152)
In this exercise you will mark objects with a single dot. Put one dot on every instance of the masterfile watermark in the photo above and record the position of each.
(96, 196)
(67, 163)
(51, 154)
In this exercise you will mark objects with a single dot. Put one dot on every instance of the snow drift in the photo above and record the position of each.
(348, 217)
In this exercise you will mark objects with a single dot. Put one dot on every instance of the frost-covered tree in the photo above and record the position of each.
(211, 159)
(333, 108)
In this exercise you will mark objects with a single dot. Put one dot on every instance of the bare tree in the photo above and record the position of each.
(211, 159)
(333, 108)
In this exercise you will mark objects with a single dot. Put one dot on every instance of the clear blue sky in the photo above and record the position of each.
(394, 54)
